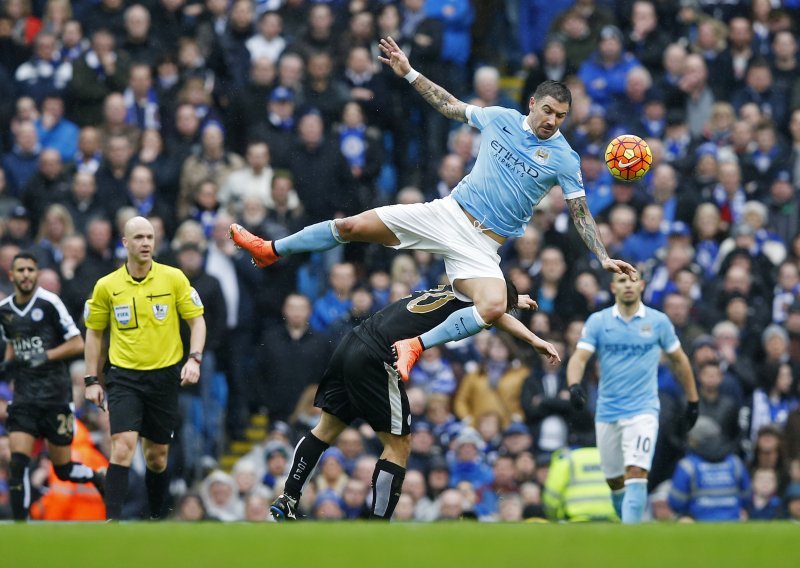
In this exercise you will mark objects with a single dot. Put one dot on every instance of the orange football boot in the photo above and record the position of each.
(263, 252)
(406, 352)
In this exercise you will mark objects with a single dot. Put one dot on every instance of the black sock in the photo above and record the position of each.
(157, 485)
(75, 472)
(19, 486)
(116, 490)
(306, 456)
(387, 484)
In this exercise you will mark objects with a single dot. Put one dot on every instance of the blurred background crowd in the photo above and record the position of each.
(276, 114)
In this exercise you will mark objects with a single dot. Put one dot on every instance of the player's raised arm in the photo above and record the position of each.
(436, 96)
(587, 229)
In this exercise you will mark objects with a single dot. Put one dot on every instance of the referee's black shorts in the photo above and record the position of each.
(144, 402)
(360, 384)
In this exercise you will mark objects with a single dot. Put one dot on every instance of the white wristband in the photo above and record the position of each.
(411, 76)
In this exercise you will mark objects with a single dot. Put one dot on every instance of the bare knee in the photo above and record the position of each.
(156, 457)
(328, 428)
(491, 308)
(122, 448)
(349, 228)
(396, 449)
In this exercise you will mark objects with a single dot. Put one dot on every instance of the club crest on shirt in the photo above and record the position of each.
(37, 314)
(646, 330)
(123, 314)
(160, 311)
(541, 155)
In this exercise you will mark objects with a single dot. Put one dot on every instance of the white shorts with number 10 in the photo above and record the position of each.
(626, 442)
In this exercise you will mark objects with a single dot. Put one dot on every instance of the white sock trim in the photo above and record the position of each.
(335, 232)
(635, 480)
(478, 318)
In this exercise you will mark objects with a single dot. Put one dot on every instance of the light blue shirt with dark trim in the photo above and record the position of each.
(514, 171)
(628, 352)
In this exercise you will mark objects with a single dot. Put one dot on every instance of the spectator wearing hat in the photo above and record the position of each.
(332, 475)
(783, 209)
(277, 129)
(468, 464)
(220, 497)
(711, 482)
(604, 73)
(276, 458)
(328, 506)
(423, 446)
(18, 228)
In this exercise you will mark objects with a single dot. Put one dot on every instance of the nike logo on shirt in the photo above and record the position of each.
(507, 130)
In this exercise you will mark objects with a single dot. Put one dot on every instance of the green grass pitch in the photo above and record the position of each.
(356, 545)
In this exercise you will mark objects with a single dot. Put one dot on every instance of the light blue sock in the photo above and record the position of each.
(635, 500)
(458, 325)
(314, 238)
(617, 495)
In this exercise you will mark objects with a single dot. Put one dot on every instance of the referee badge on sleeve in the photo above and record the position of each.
(86, 310)
(196, 298)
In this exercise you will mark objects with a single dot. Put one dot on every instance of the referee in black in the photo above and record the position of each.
(142, 303)
(39, 335)
(360, 382)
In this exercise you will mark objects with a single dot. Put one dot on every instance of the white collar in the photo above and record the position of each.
(640, 313)
(527, 128)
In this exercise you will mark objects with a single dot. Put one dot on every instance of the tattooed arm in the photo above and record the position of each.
(436, 96)
(587, 229)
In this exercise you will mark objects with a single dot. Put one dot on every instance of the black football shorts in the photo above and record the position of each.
(360, 384)
(53, 423)
(144, 402)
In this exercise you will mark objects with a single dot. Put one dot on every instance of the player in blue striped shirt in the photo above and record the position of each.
(628, 339)
(521, 158)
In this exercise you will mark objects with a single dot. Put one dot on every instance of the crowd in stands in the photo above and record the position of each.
(276, 114)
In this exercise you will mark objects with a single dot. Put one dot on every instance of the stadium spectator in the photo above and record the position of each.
(710, 483)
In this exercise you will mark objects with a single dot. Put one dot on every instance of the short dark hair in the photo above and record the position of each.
(25, 255)
(556, 89)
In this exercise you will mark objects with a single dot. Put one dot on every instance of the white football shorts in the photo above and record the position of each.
(626, 442)
(441, 227)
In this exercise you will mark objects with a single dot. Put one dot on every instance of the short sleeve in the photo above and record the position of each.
(480, 117)
(96, 311)
(570, 178)
(190, 305)
(589, 335)
(668, 339)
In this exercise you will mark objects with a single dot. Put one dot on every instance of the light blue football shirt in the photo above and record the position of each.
(629, 353)
(514, 170)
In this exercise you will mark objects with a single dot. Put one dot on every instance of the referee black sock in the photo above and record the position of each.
(116, 490)
(157, 485)
(387, 484)
(75, 472)
(19, 486)
(306, 455)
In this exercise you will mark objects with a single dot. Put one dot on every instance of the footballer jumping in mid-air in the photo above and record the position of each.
(520, 159)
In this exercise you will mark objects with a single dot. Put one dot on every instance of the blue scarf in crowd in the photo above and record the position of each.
(145, 117)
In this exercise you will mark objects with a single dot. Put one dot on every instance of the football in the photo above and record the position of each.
(628, 157)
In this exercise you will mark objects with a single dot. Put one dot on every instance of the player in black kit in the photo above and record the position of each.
(39, 335)
(360, 382)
